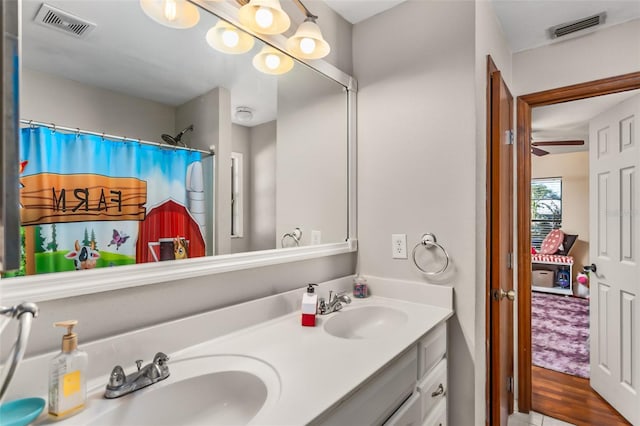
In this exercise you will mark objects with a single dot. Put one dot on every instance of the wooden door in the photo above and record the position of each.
(614, 188)
(500, 248)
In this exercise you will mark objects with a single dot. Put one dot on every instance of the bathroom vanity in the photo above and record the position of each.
(377, 361)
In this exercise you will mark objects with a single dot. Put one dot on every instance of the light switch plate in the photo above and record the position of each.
(399, 246)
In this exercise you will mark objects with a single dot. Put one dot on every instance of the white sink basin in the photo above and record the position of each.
(365, 322)
(209, 390)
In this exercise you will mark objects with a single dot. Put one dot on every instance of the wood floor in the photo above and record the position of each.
(571, 399)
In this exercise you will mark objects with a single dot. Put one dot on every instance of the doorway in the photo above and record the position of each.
(525, 104)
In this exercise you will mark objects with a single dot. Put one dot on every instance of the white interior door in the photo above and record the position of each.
(614, 165)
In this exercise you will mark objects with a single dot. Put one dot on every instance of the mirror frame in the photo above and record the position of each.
(38, 288)
(9, 133)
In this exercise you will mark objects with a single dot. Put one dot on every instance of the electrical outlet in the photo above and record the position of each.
(316, 238)
(399, 246)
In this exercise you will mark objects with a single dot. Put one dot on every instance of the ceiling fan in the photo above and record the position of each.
(540, 152)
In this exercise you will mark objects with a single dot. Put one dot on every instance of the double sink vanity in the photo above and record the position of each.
(378, 360)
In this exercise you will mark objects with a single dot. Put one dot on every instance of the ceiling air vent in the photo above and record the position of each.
(52, 17)
(582, 24)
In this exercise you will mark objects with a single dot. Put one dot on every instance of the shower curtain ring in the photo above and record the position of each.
(31, 126)
(77, 132)
(54, 127)
(103, 136)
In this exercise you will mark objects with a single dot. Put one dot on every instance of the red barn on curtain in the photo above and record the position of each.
(168, 220)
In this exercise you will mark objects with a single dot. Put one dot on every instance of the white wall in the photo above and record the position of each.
(573, 168)
(609, 52)
(263, 186)
(241, 143)
(415, 66)
(52, 99)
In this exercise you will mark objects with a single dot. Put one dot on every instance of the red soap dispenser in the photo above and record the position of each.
(309, 306)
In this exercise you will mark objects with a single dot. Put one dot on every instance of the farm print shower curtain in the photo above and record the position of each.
(88, 202)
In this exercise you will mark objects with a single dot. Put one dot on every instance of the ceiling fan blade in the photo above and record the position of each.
(539, 152)
(558, 143)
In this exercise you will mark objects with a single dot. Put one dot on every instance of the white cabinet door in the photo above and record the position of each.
(614, 165)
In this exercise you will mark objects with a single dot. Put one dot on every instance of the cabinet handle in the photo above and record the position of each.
(438, 392)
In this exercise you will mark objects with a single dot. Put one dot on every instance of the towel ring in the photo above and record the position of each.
(296, 235)
(428, 241)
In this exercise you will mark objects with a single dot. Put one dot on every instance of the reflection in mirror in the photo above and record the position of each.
(121, 119)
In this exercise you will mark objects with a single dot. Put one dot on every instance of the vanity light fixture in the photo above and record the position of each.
(178, 14)
(307, 42)
(272, 61)
(228, 39)
(264, 17)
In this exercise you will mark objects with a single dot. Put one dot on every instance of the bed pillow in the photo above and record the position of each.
(567, 244)
(552, 242)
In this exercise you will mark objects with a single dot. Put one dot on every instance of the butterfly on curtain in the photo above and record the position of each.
(118, 238)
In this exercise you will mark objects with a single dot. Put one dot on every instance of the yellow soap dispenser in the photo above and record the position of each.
(67, 375)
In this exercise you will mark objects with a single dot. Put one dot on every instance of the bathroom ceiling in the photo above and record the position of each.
(355, 11)
(526, 22)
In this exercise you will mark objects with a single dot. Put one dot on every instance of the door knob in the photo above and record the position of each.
(593, 268)
(500, 294)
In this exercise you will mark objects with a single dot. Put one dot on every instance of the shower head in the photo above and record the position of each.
(176, 140)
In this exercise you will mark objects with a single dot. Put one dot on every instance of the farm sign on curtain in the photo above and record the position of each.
(85, 201)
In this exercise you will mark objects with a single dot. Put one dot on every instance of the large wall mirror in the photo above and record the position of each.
(142, 143)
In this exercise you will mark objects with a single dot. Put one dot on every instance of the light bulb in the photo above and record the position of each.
(170, 10)
(264, 17)
(272, 61)
(230, 37)
(307, 45)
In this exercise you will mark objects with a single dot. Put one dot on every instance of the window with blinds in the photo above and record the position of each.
(546, 208)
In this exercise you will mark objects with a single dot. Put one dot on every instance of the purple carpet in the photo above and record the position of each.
(560, 333)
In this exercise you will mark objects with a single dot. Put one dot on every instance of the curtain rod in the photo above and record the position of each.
(55, 127)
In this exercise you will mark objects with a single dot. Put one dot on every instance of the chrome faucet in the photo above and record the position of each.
(120, 384)
(334, 304)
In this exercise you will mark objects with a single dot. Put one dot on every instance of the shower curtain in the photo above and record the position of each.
(89, 202)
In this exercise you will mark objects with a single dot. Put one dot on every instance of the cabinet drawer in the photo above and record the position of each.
(409, 413)
(438, 416)
(433, 388)
(431, 349)
(379, 397)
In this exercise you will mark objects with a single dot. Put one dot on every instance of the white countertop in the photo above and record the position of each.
(316, 370)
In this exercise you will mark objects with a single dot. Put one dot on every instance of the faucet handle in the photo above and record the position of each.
(322, 306)
(160, 359)
(139, 364)
(344, 297)
(117, 377)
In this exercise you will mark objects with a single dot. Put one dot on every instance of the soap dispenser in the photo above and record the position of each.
(67, 375)
(309, 306)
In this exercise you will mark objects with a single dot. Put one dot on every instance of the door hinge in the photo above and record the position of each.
(510, 260)
(510, 384)
(510, 137)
